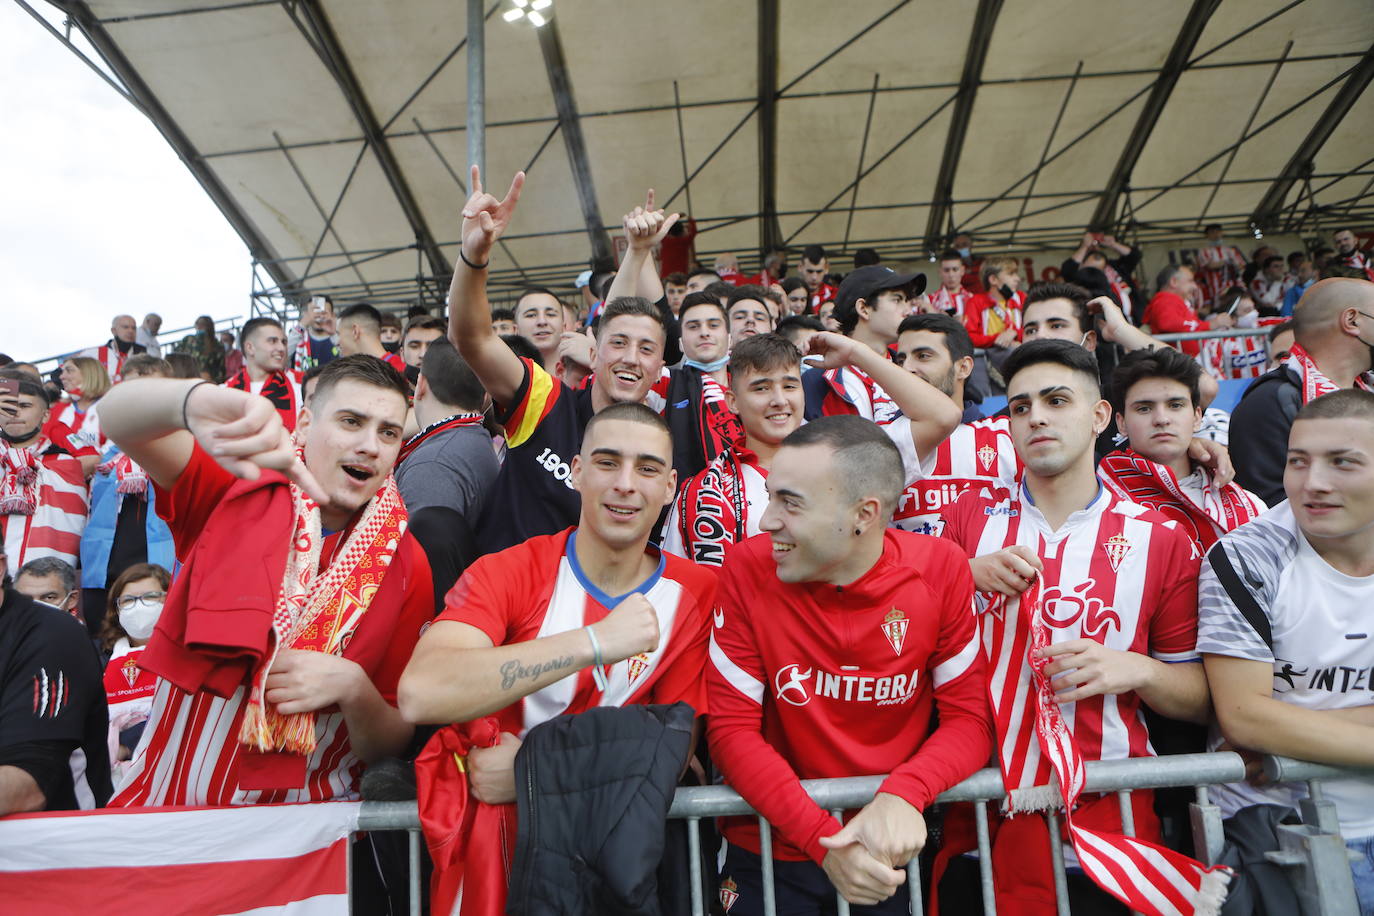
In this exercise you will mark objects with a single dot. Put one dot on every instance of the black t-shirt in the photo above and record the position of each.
(52, 700)
(534, 493)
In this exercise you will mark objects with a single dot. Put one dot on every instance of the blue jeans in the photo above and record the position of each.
(1363, 867)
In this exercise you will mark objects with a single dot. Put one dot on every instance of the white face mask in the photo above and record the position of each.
(139, 620)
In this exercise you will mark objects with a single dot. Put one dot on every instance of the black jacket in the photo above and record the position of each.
(1259, 432)
(593, 792)
(1259, 887)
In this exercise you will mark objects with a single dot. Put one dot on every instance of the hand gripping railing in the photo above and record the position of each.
(1314, 853)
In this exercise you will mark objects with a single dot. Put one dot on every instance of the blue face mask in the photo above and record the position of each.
(707, 367)
(965, 253)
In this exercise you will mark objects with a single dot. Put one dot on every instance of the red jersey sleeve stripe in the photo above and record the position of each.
(734, 675)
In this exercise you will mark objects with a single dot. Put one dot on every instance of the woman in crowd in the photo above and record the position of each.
(134, 605)
(86, 382)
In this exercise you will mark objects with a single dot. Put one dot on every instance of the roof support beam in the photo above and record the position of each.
(1270, 206)
(332, 54)
(979, 38)
(551, 44)
(770, 232)
(258, 246)
(1194, 23)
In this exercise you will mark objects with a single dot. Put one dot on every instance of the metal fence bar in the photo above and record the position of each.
(1208, 335)
(770, 903)
(841, 904)
(980, 820)
(694, 866)
(414, 877)
(1123, 800)
(1061, 881)
(913, 887)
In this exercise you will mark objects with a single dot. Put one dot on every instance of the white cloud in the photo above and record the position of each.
(99, 215)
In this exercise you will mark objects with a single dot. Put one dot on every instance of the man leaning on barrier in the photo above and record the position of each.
(835, 638)
(1285, 628)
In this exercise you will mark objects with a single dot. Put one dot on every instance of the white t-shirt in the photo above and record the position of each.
(1316, 630)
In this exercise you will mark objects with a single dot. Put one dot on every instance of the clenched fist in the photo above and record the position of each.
(629, 629)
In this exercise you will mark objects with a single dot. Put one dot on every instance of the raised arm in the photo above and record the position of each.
(645, 227)
(469, 316)
(933, 416)
(156, 422)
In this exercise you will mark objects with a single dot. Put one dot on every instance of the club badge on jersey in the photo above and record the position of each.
(894, 627)
(1116, 547)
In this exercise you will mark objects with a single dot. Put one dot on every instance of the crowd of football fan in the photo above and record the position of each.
(430, 555)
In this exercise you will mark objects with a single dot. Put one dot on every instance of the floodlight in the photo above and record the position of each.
(541, 4)
(536, 18)
(513, 14)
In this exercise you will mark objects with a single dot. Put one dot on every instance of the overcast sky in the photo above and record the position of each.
(98, 216)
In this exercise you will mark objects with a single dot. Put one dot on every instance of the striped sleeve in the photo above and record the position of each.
(1237, 587)
(535, 397)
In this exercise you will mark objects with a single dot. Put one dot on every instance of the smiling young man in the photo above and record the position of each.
(563, 623)
(544, 419)
(278, 654)
(539, 319)
(747, 313)
(1090, 611)
(1155, 396)
(1284, 622)
(263, 342)
(835, 639)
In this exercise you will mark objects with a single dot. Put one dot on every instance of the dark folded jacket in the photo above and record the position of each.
(593, 792)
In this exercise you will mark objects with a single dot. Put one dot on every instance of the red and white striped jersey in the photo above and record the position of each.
(111, 358)
(85, 426)
(811, 681)
(980, 454)
(951, 303)
(538, 589)
(850, 390)
(1115, 572)
(59, 518)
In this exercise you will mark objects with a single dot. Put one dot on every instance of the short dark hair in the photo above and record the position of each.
(251, 326)
(1043, 292)
(427, 324)
(533, 291)
(1270, 260)
(720, 289)
(634, 413)
(949, 254)
(703, 272)
(450, 377)
(183, 365)
(866, 257)
(311, 375)
(1060, 352)
(110, 629)
(1164, 362)
(146, 364)
(1345, 404)
(523, 347)
(1166, 274)
(791, 324)
(389, 320)
(503, 315)
(792, 283)
(600, 283)
(362, 313)
(957, 341)
(361, 367)
(1210, 226)
(867, 462)
(1278, 329)
(27, 385)
(748, 291)
(762, 353)
(692, 300)
(814, 253)
(416, 311)
(50, 566)
(677, 278)
(631, 305)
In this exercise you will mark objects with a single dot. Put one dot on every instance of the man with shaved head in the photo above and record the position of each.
(121, 345)
(1333, 329)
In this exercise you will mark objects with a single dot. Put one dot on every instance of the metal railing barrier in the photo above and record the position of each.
(1313, 853)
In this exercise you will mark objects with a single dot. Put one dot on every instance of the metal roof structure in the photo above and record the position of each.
(334, 134)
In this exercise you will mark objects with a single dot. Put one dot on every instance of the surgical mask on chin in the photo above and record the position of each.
(965, 253)
(139, 620)
(393, 346)
(14, 438)
(1250, 320)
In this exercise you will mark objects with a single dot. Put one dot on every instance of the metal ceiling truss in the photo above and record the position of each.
(1104, 217)
(980, 38)
(1271, 204)
(770, 233)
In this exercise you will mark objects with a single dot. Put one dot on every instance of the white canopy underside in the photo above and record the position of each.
(250, 100)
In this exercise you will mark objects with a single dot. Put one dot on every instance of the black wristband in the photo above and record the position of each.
(185, 424)
(465, 260)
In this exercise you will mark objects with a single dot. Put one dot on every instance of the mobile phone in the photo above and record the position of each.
(318, 303)
(11, 387)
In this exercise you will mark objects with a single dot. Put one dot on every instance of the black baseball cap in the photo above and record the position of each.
(867, 282)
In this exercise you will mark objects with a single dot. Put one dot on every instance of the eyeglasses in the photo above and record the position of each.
(148, 600)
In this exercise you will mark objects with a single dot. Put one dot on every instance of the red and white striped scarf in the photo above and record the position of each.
(319, 612)
(1314, 382)
(19, 488)
(130, 478)
(1137, 478)
(1146, 877)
